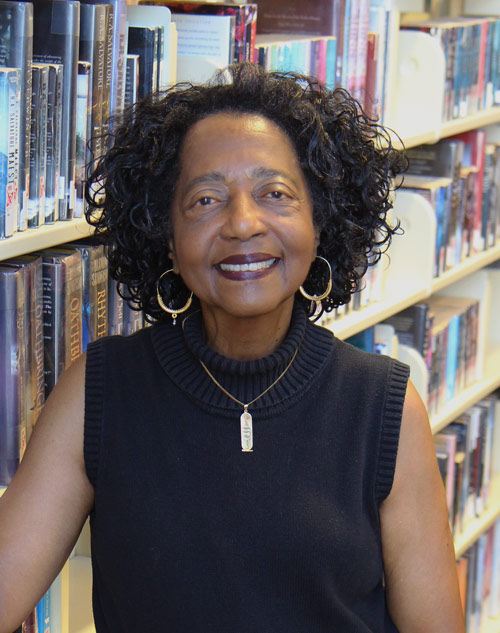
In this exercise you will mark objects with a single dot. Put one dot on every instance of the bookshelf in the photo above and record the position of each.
(409, 280)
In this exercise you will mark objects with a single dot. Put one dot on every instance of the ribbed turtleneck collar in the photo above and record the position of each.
(180, 349)
(276, 362)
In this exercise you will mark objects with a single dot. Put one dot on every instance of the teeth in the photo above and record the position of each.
(236, 268)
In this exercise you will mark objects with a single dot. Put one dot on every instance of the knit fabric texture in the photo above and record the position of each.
(190, 534)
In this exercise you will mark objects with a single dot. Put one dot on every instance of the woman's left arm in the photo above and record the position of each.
(419, 558)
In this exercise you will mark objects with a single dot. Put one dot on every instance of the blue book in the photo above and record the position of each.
(43, 614)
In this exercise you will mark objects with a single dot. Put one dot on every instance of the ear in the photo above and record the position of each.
(171, 254)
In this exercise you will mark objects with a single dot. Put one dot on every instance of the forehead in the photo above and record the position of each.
(224, 137)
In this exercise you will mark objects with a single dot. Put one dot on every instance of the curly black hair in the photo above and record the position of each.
(348, 160)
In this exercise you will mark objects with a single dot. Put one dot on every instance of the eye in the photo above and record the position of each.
(205, 201)
(276, 195)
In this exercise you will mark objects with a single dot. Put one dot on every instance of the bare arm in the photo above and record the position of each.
(419, 558)
(45, 506)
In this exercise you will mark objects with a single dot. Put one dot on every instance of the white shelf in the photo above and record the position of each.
(470, 396)
(465, 268)
(370, 315)
(471, 122)
(44, 237)
(80, 595)
(475, 527)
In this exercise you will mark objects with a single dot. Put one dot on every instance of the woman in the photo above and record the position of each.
(243, 469)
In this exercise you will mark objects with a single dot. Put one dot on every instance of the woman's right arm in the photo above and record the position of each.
(45, 506)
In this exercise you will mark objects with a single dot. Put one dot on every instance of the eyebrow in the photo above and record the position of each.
(256, 174)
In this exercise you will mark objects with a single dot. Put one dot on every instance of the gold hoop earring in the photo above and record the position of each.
(325, 294)
(162, 304)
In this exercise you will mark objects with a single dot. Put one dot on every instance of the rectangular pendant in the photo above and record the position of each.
(246, 432)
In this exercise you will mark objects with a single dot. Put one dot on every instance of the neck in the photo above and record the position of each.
(247, 338)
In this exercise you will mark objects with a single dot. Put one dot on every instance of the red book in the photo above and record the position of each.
(474, 157)
(371, 101)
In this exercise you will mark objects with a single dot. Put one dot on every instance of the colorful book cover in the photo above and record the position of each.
(9, 150)
(16, 51)
(55, 40)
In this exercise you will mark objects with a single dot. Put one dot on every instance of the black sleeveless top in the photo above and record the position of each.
(192, 535)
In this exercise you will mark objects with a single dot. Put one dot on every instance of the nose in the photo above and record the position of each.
(244, 218)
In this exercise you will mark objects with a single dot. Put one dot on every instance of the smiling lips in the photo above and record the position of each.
(242, 267)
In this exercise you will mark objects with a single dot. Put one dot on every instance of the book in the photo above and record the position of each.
(245, 15)
(141, 42)
(205, 44)
(12, 370)
(296, 16)
(34, 380)
(62, 309)
(56, 40)
(411, 326)
(53, 153)
(115, 56)
(38, 144)
(92, 49)
(94, 290)
(83, 133)
(9, 150)
(16, 51)
(131, 79)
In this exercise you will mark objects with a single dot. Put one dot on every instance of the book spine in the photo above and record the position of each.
(16, 49)
(83, 122)
(12, 371)
(44, 88)
(9, 151)
(35, 141)
(52, 296)
(56, 40)
(73, 302)
(108, 65)
(117, 91)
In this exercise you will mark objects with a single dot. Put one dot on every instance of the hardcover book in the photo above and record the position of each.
(9, 150)
(16, 51)
(53, 155)
(62, 308)
(94, 291)
(12, 371)
(56, 40)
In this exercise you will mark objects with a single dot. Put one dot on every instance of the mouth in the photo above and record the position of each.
(250, 266)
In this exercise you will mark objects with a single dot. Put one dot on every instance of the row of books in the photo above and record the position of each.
(460, 178)
(471, 48)
(464, 451)
(479, 580)
(51, 305)
(41, 46)
(444, 331)
(365, 32)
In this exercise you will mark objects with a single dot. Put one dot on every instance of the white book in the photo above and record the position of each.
(205, 44)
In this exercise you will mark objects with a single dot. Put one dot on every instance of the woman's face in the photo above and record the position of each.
(243, 233)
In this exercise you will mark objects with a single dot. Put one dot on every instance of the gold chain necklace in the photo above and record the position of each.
(246, 417)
